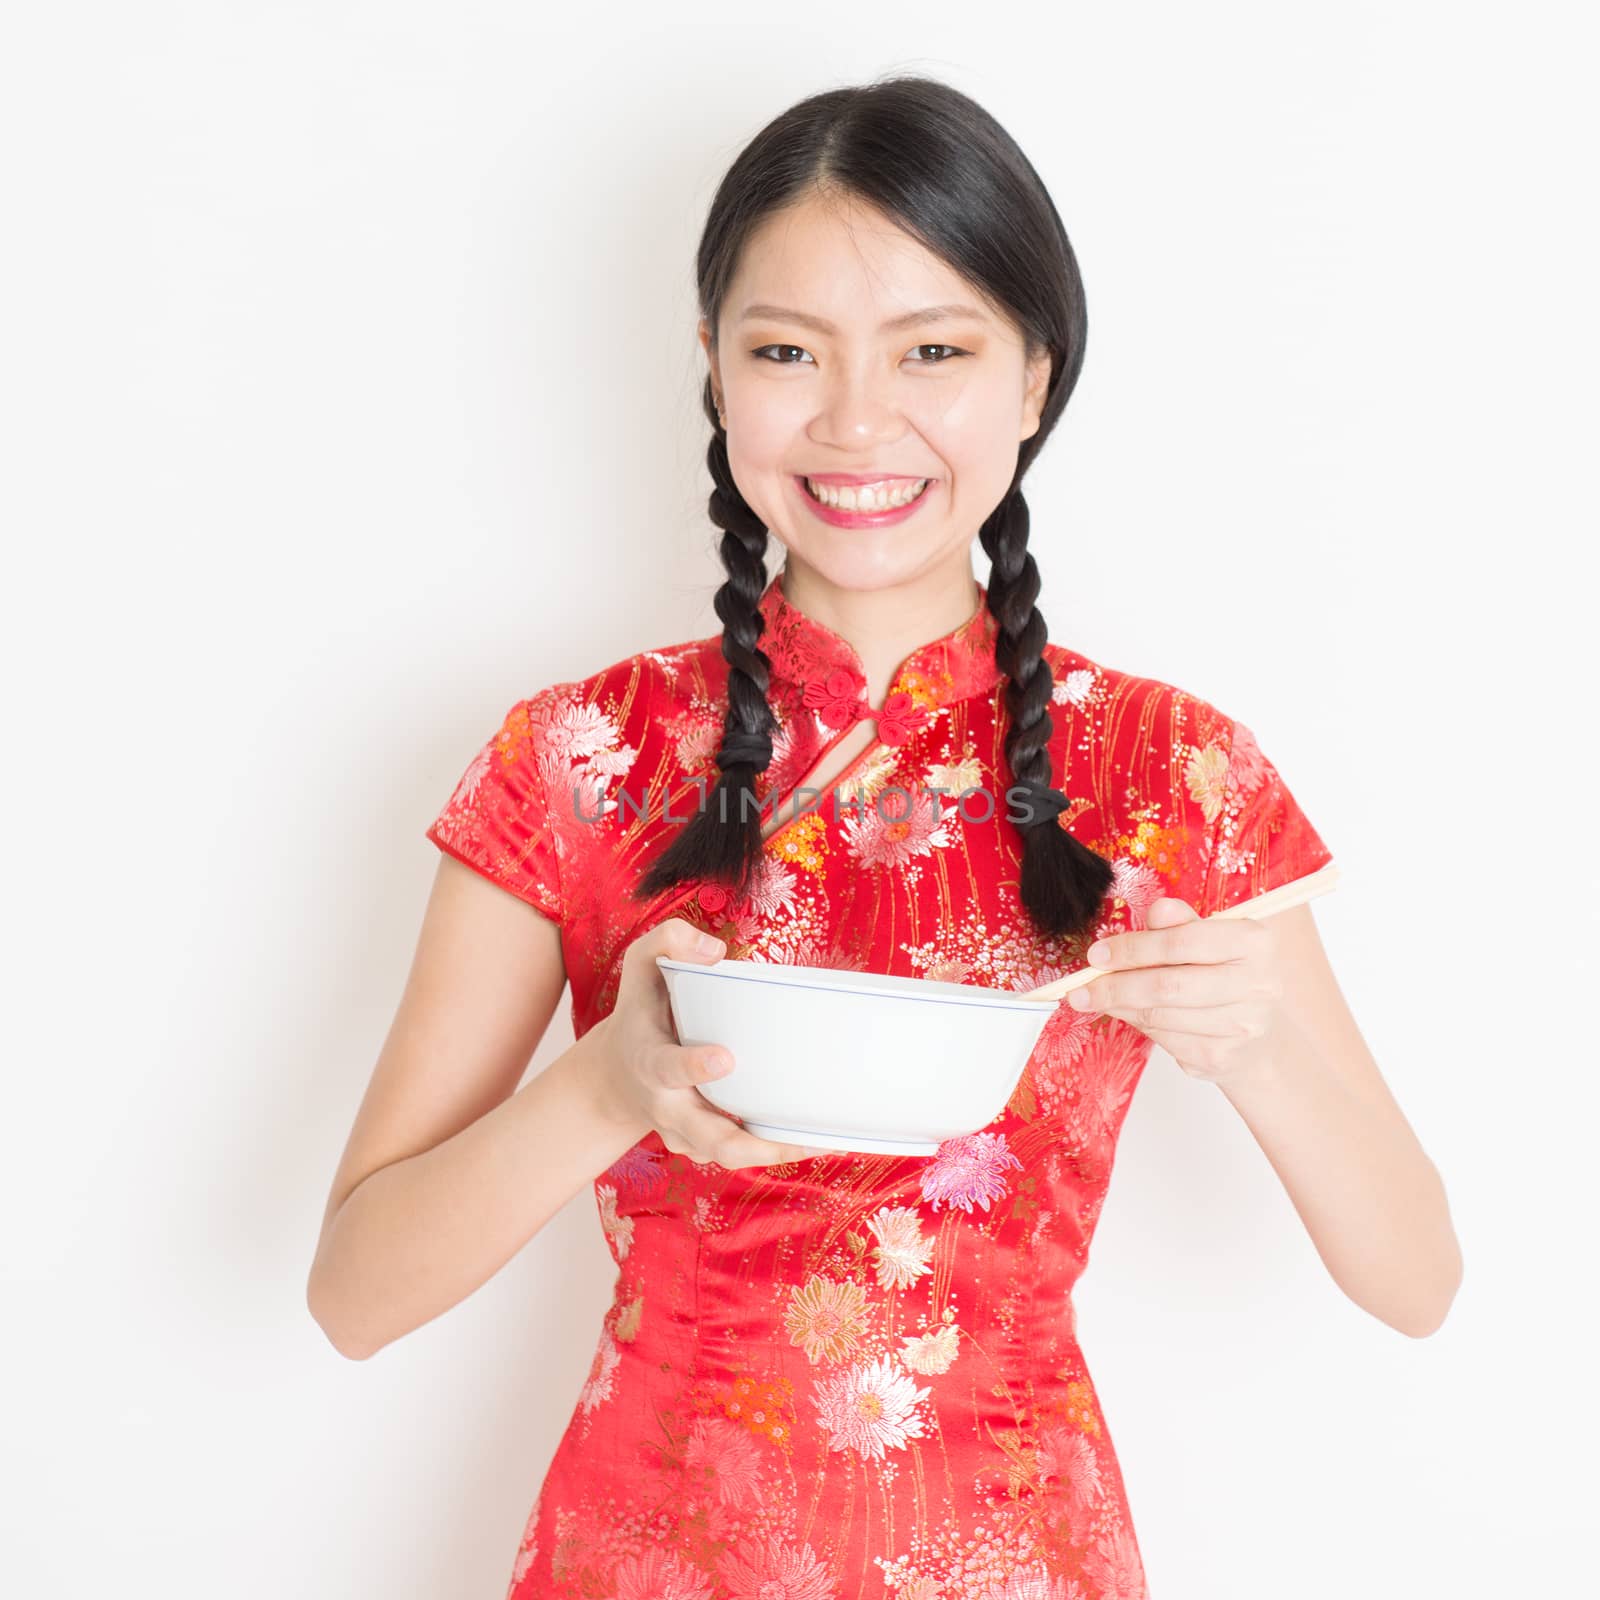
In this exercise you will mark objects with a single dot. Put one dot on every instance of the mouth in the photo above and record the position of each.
(866, 498)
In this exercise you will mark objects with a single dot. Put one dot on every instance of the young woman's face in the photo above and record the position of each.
(830, 360)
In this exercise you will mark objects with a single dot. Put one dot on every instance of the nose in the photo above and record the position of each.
(858, 412)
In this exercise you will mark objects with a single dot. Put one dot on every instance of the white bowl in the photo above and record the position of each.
(855, 1060)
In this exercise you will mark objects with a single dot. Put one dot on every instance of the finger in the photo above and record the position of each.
(641, 982)
(1216, 985)
(677, 939)
(1207, 941)
(685, 1066)
(720, 1139)
(1199, 1055)
(1168, 911)
(738, 1148)
(1214, 1022)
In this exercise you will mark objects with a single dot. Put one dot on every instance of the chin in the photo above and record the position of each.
(851, 564)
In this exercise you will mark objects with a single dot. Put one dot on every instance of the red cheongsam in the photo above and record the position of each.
(858, 1375)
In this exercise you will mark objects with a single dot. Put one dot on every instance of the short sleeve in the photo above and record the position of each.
(498, 820)
(1258, 837)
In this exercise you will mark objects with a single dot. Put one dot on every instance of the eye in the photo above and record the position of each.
(783, 358)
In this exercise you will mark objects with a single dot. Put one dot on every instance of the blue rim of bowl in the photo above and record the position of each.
(990, 999)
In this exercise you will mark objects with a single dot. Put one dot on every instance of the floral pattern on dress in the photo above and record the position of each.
(859, 1370)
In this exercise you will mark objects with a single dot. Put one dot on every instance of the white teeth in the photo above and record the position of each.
(867, 496)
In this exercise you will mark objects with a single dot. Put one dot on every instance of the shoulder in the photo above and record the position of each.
(1180, 787)
(1148, 760)
(624, 725)
(1137, 713)
(582, 715)
(664, 674)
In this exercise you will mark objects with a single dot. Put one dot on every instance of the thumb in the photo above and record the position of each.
(1169, 912)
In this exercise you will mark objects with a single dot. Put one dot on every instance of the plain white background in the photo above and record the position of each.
(351, 394)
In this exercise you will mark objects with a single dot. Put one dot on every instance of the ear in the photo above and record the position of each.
(1038, 385)
(703, 331)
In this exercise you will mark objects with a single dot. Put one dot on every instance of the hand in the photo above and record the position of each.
(647, 1077)
(1207, 991)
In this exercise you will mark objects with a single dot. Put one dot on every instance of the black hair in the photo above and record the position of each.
(937, 164)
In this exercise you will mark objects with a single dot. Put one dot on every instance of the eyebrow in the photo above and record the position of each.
(909, 319)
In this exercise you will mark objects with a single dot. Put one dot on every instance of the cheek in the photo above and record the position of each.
(972, 428)
(760, 451)
(766, 437)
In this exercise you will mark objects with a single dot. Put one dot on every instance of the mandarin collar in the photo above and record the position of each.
(822, 668)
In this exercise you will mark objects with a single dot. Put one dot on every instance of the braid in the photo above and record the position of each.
(1063, 881)
(722, 841)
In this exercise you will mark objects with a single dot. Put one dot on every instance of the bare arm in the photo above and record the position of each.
(1254, 1006)
(1320, 1109)
(450, 1168)
(447, 1173)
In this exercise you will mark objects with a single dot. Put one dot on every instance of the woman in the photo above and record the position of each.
(823, 1370)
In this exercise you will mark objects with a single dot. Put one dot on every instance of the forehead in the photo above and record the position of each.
(844, 261)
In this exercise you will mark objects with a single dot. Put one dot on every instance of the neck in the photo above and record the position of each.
(885, 625)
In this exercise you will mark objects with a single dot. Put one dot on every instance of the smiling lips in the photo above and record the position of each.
(862, 500)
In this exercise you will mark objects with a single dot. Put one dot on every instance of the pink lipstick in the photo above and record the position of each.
(841, 518)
